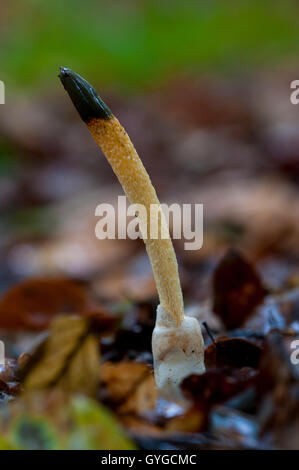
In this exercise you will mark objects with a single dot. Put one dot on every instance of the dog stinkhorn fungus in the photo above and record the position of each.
(177, 343)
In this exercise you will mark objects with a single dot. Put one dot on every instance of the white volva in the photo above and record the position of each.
(178, 351)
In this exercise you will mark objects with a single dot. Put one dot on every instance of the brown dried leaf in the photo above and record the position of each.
(237, 289)
(33, 303)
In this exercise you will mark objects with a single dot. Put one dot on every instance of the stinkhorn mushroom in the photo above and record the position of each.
(177, 343)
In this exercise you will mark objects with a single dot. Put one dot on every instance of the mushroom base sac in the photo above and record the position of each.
(178, 351)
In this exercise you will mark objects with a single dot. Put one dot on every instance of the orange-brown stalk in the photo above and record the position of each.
(116, 145)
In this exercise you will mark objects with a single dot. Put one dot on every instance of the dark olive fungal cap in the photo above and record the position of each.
(84, 97)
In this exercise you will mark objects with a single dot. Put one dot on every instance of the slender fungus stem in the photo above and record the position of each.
(116, 145)
(133, 177)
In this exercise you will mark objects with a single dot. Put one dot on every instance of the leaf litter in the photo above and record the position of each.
(77, 314)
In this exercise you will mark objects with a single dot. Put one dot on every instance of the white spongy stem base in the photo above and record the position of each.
(178, 351)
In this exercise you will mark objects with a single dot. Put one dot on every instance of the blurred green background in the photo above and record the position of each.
(138, 43)
(202, 88)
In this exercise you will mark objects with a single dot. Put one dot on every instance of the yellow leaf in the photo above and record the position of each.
(68, 358)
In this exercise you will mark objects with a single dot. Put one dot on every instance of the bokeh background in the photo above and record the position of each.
(203, 88)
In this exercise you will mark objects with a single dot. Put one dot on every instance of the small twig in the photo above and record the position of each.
(209, 333)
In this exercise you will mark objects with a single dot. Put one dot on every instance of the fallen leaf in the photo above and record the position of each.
(33, 303)
(68, 358)
(237, 289)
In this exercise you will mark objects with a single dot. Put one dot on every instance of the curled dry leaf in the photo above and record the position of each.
(232, 368)
(237, 289)
(68, 358)
(33, 303)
